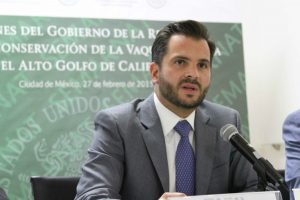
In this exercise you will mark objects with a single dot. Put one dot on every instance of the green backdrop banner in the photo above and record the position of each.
(56, 73)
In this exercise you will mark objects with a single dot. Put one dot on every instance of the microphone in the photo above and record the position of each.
(263, 167)
(229, 133)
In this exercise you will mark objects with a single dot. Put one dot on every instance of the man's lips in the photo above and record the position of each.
(189, 87)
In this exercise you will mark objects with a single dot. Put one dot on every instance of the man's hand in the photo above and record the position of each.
(166, 195)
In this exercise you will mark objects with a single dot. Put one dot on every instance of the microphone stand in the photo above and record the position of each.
(271, 176)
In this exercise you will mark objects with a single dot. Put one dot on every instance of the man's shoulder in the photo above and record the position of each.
(124, 106)
(291, 127)
(121, 110)
(293, 117)
(216, 108)
(218, 115)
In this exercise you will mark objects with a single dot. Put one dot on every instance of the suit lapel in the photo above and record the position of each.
(205, 140)
(154, 139)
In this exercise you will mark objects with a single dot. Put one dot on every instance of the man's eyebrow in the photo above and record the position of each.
(186, 58)
(181, 57)
(204, 60)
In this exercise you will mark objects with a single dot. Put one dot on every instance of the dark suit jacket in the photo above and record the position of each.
(291, 137)
(3, 195)
(127, 159)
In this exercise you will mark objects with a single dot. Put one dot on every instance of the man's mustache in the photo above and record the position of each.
(189, 80)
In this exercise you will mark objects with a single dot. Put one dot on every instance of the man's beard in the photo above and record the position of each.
(171, 93)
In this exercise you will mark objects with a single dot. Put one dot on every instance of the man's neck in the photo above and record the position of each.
(179, 111)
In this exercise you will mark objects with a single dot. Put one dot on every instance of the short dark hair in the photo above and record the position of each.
(188, 28)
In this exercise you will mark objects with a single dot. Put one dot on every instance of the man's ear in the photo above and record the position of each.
(154, 71)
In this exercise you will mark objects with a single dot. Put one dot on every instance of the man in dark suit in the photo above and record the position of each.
(139, 150)
(291, 137)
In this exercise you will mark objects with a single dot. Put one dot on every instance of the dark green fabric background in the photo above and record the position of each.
(46, 131)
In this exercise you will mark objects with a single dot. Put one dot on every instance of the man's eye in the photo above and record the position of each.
(203, 65)
(180, 62)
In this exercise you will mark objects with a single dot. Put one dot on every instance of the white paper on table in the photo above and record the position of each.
(267, 195)
(296, 192)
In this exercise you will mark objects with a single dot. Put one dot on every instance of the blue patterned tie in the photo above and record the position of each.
(185, 160)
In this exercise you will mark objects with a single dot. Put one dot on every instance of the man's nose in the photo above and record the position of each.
(192, 71)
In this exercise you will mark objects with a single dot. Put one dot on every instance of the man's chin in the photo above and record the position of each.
(189, 104)
(189, 99)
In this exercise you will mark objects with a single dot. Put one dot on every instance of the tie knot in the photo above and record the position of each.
(183, 128)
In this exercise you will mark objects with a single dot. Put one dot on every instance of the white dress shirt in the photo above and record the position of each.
(168, 121)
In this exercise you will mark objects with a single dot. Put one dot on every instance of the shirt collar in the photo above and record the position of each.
(169, 119)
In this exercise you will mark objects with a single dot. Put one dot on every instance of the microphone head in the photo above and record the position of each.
(227, 131)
